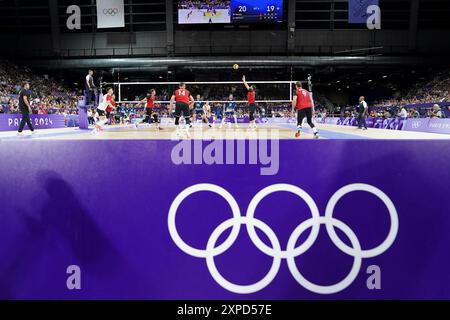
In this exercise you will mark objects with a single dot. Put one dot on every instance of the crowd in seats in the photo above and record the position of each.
(48, 95)
(434, 90)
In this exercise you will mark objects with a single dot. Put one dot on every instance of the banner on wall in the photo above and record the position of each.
(110, 14)
(11, 122)
(357, 10)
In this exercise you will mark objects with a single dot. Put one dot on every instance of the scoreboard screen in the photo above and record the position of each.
(229, 11)
(259, 11)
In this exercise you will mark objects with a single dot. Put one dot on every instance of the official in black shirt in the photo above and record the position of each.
(363, 111)
(89, 87)
(25, 108)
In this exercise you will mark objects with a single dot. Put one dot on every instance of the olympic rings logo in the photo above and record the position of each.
(292, 251)
(110, 11)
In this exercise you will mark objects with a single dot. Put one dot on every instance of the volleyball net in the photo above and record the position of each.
(271, 92)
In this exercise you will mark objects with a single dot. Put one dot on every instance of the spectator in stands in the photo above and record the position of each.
(414, 113)
(403, 114)
(1, 109)
(436, 112)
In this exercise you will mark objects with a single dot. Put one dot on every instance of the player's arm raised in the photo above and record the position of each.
(245, 83)
(192, 101)
(172, 100)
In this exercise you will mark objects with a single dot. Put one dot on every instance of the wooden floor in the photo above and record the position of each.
(130, 132)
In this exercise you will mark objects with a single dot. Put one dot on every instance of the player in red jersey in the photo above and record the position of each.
(110, 108)
(251, 98)
(149, 102)
(303, 103)
(183, 102)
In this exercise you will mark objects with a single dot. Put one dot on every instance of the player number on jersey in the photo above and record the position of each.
(242, 8)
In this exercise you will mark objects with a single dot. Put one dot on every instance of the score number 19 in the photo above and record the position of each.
(244, 8)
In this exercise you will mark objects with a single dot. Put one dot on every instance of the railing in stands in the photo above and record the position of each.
(196, 50)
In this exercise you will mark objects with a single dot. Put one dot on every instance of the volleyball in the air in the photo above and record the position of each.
(235, 66)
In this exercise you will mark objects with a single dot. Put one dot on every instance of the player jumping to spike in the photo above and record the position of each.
(303, 103)
(251, 97)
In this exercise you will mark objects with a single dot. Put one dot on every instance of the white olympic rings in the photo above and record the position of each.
(291, 251)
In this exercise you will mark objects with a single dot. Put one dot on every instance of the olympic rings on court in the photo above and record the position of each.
(110, 11)
(275, 251)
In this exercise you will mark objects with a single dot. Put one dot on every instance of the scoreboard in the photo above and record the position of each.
(230, 11)
(243, 11)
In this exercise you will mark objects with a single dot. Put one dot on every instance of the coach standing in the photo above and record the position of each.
(25, 108)
(363, 111)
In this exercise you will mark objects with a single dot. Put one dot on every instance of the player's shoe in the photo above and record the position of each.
(316, 135)
(297, 134)
(20, 134)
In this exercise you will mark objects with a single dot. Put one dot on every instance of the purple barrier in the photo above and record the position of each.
(419, 124)
(10, 122)
(147, 234)
(428, 125)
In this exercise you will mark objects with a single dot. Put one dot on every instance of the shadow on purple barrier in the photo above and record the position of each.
(64, 215)
(61, 219)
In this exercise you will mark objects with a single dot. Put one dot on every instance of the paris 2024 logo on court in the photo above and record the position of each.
(275, 251)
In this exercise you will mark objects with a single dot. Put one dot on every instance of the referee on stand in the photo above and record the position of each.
(25, 108)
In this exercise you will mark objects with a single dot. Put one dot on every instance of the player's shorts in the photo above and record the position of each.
(229, 113)
(218, 115)
(182, 108)
(101, 112)
(201, 112)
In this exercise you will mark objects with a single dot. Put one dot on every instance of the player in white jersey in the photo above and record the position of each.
(207, 108)
(101, 109)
